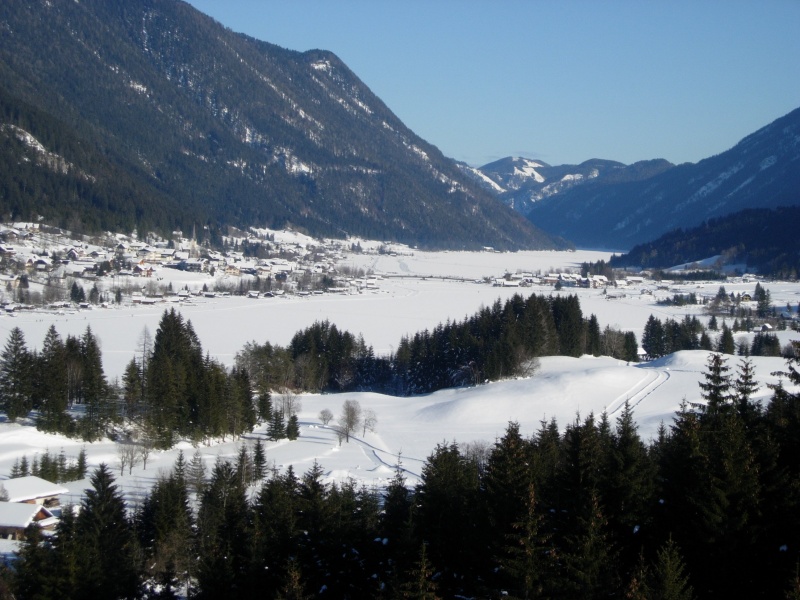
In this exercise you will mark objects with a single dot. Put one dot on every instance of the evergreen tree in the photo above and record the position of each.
(589, 557)
(264, 403)
(717, 385)
(51, 392)
(593, 336)
(77, 294)
(33, 566)
(259, 461)
(165, 528)
(276, 429)
(275, 532)
(419, 584)
(631, 489)
(293, 428)
(223, 535)
(240, 413)
(705, 342)
(726, 344)
(631, 347)
(528, 557)
(66, 571)
(293, 588)
(244, 466)
(174, 380)
(196, 473)
(569, 325)
(745, 386)
(668, 579)
(16, 377)
(132, 387)
(506, 486)
(445, 517)
(81, 466)
(395, 524)
(653, 338)
(763, 300)
(99, 411)
(108, 565)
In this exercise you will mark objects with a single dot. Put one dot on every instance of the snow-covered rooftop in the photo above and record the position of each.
(20, 515)
(22, 489)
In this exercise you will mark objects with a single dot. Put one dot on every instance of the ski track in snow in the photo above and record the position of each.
(639, 392)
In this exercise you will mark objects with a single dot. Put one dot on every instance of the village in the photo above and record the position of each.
(44, 268)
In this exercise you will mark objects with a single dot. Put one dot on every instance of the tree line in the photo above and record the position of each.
(171, 390)
(499, 341)
(709, 509)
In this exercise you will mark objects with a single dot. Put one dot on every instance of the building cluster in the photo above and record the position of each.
(251, 265)
(28, 500)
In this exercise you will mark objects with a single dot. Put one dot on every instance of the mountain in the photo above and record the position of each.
(761, 171)
(606, 204)
(521, 183)
(755, 240)
(154, 115)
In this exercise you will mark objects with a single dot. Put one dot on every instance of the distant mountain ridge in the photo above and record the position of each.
(759, 240)
(178, 122)
(521, 182)
(604, 204)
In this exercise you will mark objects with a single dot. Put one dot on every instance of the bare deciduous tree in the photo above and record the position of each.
(350, 418)
(128, 456)
(369, 421)
(143, 451)
(326, 416)
(288, 402)
(478, 452)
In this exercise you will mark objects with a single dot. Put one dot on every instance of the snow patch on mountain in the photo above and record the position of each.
(712, 185)
(768, 162)
(528, 171)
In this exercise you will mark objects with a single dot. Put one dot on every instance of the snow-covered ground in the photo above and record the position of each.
(408, 428)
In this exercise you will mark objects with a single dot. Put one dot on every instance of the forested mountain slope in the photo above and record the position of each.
(761, 171)
(177, 123)
(761, 240)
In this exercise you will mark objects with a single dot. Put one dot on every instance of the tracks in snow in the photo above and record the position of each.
(636, 394)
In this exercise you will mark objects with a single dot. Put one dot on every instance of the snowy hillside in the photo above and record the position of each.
(412, 291)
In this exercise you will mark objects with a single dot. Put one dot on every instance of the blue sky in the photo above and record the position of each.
(561, 82)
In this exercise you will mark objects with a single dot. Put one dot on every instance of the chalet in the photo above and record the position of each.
(142, 270)
(74, 253)
(99, 255)
(500, 282)
(193, 265)
(569, 279)
(33, 490)
(15, 518)
(550, 279)
(8, 234)
(149, 253)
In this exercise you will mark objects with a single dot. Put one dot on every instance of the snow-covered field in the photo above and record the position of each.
(408, 428)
